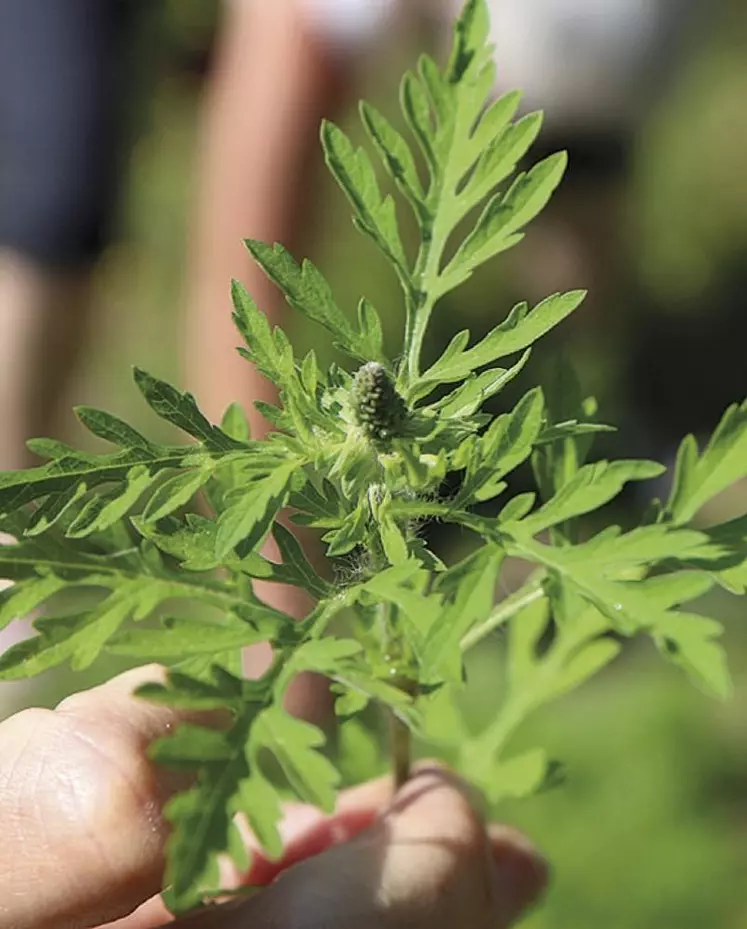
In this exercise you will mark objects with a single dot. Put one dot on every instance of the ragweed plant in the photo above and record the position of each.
(363, 453)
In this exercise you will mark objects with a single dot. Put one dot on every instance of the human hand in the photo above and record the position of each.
(83, 837)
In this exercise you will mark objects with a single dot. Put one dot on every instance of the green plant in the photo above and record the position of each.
(364, 457)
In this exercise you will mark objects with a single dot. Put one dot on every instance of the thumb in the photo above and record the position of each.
(426, 862)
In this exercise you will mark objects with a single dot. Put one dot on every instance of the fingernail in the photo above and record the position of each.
(521, 876)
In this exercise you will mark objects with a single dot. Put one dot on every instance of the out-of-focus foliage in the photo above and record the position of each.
(691, 197)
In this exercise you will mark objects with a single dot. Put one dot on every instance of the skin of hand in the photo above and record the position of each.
(83, 837)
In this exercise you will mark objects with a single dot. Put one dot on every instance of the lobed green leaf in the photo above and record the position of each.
(699, 478)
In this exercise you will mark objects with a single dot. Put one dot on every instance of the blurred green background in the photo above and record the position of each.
(650, 830)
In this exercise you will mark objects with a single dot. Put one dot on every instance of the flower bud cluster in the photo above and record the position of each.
(379, 409)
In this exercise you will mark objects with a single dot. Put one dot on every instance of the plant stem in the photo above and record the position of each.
(399, 734)
(443, 204)
(513, 604)
(422, 315)
(400, 745)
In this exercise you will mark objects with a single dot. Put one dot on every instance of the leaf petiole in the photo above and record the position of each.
(532, 591)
